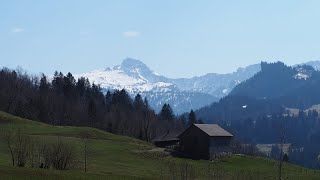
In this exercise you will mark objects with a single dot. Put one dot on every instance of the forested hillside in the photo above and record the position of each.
(289, 86)
(256, 110)
(67, 101)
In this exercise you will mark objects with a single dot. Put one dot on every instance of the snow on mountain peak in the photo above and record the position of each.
(138, 69)
(303, 72)
(132, 75)
(183, 93)
(130, 63)
(135, 66)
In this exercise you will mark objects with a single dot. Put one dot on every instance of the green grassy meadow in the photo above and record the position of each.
(119, 157)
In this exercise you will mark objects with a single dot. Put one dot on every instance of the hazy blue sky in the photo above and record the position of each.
(174, 38)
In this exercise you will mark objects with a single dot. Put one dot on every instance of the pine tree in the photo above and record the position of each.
(82, 86)
(108, 98)
(92, 112)
(57, 82)
(122, 98)
(69, 84)
(166, 113)
(44, 85)
(192, 118)
(138, 103)
(146, 104)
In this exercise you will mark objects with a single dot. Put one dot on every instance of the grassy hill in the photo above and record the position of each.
(119, 157)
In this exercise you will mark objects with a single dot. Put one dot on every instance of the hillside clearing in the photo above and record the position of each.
(119, 157)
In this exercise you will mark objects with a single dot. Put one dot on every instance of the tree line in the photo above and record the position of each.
(63, 100)
(302, 131)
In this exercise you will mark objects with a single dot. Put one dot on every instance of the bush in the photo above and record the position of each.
(19, 146)
(61, 156)
(26, 150)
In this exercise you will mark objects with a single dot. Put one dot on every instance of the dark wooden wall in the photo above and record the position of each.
(220, 145)
(195, 143)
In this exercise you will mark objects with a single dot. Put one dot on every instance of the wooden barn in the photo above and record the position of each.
(202, 141)
(166, 140)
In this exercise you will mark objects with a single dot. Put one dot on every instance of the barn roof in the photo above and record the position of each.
(213, 130)
(168, 136)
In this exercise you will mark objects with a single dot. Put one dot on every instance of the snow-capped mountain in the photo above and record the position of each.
(182, 94)
(217, 85)
(132, 75)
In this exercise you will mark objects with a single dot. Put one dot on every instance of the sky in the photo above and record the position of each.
(180, 38)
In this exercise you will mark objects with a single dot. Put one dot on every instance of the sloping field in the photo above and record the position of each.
(119, 157)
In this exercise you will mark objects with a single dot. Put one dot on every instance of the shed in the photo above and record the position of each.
(166, 140)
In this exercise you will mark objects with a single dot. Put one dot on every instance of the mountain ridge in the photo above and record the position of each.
(196, 92)
(274, 89)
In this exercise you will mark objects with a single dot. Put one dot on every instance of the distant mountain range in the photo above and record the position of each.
(182, 94)
(274, 89)
(276, 80)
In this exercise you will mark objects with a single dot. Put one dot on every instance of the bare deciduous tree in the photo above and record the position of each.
(9, 141)
(18, 145)
(147, 126)
(22, 151)
(44, 156)
(34, 142)
(62, 155)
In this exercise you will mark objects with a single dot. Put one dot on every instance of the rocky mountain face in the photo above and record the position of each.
(182, 94)
(218, 85)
